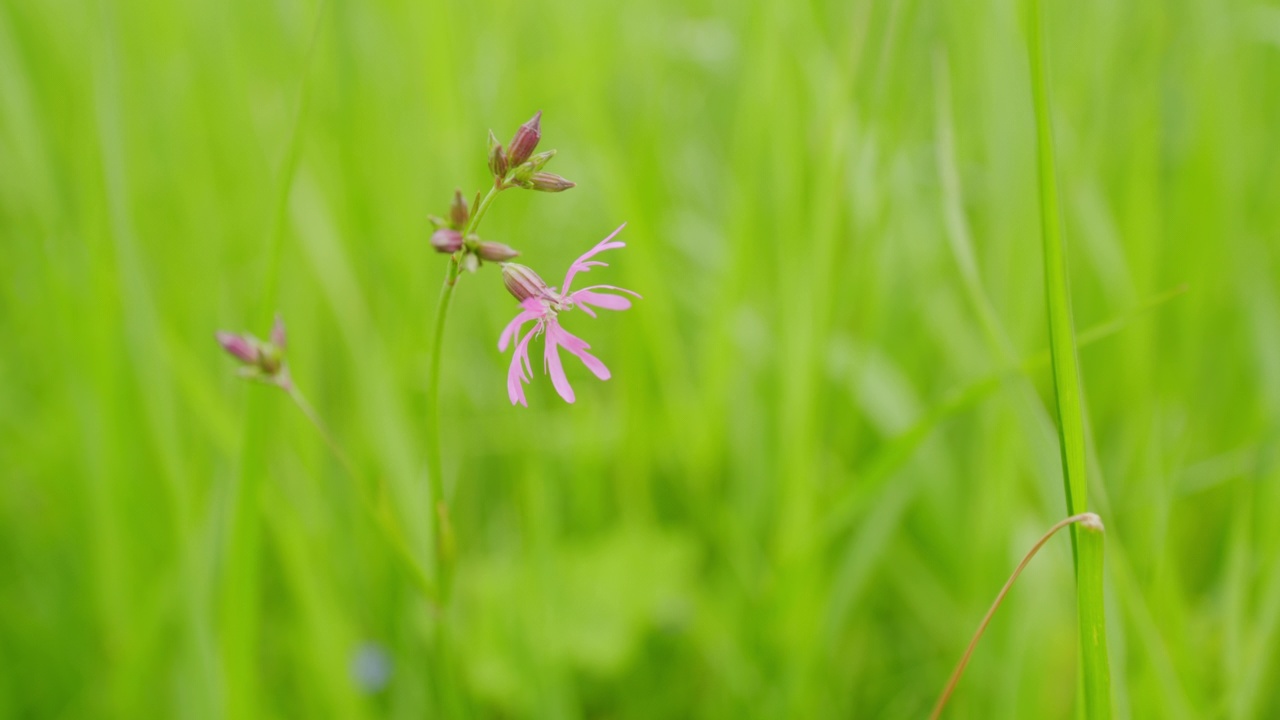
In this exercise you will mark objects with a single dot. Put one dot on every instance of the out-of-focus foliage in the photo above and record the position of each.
(820, 453)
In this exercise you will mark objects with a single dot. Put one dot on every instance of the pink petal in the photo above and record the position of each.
(600, 300)
(615, 288)
(515, 387)
(581, 264)
(551, 357)
(516, 377)
(578, 347)
(512, 330)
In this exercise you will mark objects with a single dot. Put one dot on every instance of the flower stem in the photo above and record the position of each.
(481, 209)
(381, 514)
(444, 543)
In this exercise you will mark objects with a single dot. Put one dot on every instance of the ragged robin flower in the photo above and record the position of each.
(543, 305)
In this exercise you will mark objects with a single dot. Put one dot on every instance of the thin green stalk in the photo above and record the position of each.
(444, 542)
(481, 209)
(1067, 389)
(381, 514)
(1093, 530)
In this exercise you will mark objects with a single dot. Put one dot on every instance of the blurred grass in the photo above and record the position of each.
(829, 258)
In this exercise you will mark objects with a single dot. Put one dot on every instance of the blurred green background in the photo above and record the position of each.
(821, 452)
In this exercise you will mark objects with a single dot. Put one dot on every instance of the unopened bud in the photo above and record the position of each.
(497, 157)
(540, 160)
(239, 346)
(458, 214)
(277, 333)
(549, 182)
(522, 282)
(525, 141)
(495, 251)
(470, 262)
(437, 222)
(446, 240)
(522, 176)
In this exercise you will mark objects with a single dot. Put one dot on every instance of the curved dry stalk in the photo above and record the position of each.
(1087, 520)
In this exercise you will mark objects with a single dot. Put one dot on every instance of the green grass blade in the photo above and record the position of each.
(1067, 389)
(1062, 343)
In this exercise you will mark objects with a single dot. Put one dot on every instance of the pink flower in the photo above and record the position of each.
(543, 305)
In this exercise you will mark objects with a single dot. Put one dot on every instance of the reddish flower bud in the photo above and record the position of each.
(446, 240)
(458, 213)
(549, 182)
(523, 282)
(495, 251)
(497, 157)
(525, 141)
(277, 333)
(239, 346)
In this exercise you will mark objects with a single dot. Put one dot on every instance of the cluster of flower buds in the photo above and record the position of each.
(449, 237)
(517, 166)
(259, 360)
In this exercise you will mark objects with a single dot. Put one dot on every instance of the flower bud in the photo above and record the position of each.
(470, 262)
(525, 141)
(540, 160)
(277, 334)
(549, 182)
(495, 251)
(522, 176)
(446, 240)
(239, 346)
(497, 157)
(458, 213)
(522, 282)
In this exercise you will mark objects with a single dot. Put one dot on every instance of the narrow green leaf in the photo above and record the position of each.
(1067, 389)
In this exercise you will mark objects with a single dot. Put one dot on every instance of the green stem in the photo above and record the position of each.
(481, 209)
(301, 401)
(383, 517)
(444, 543)
(1093, 623)
(1067, 389)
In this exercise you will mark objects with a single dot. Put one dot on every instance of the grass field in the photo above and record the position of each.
(830, 432)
